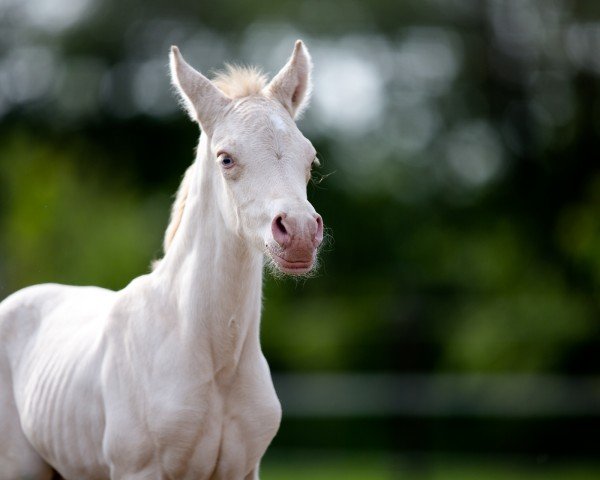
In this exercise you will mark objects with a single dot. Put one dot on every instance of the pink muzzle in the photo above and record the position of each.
(297, 236)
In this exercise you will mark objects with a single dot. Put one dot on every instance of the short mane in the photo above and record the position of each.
(177, 207)
(238, 81)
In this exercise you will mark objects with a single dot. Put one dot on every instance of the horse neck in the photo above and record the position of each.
(210, 276)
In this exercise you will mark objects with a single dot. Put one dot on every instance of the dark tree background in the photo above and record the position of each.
(456, 312)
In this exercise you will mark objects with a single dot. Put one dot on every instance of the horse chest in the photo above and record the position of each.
(206, 431)
(226, 441)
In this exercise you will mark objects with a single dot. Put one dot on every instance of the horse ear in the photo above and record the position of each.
(292, 85)
(201, 99)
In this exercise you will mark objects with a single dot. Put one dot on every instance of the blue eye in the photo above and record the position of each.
(227, 162)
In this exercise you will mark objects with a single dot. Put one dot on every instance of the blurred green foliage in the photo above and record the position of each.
(66, 224)
(462, 189)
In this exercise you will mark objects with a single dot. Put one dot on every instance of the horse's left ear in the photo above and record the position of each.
(203, 101)
(292, 85)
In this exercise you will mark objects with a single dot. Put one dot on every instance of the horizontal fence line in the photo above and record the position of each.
(518, 395)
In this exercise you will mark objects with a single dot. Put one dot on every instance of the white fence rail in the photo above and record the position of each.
(350, 395)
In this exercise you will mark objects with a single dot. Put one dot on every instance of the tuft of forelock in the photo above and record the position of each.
(240, 81)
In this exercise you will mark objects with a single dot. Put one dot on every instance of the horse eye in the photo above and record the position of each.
(227, 162)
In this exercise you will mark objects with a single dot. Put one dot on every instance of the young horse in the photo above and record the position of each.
(166, 378)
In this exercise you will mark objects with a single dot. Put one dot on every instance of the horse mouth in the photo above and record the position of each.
(292, 267)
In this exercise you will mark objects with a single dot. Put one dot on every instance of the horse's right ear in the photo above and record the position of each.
(292, 85)
(202, 100)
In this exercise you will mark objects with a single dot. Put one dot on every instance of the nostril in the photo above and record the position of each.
(319, 222)
(318, 237)
(279, 231)
(279, 224)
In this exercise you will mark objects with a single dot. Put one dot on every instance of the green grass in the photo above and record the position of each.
(308, 465)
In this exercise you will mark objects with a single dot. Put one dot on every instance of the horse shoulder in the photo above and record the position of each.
(136, 336)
